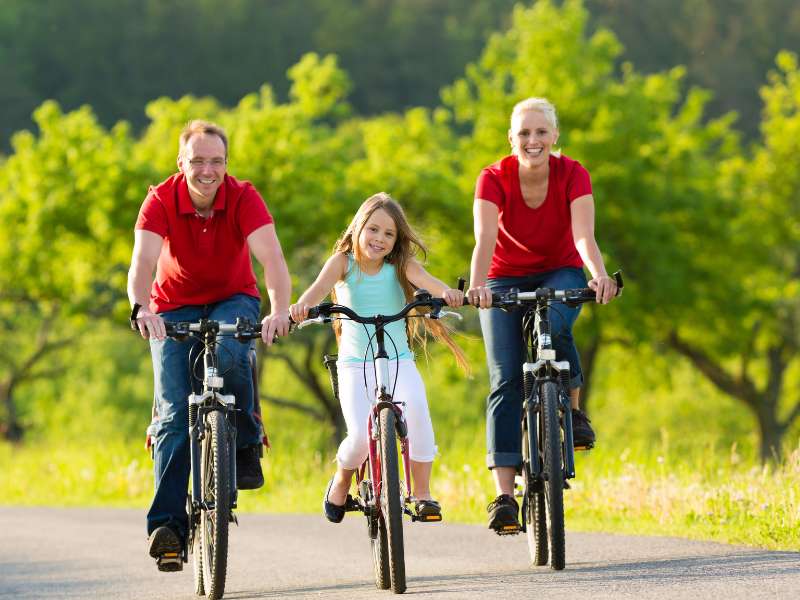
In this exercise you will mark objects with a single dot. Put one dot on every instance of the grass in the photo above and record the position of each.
(673, 458)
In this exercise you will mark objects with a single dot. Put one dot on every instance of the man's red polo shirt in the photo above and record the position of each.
(203, 260)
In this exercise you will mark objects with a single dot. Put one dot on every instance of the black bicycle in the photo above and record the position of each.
(212, 442)
(548, 459)
(382, 495)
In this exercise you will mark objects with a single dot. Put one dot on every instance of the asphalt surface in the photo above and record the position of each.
(101, 553)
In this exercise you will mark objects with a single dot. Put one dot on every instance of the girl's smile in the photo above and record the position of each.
(377, 238)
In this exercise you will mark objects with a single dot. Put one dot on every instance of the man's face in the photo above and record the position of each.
(203, 162)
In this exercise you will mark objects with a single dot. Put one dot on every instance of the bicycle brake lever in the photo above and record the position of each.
(450, 313)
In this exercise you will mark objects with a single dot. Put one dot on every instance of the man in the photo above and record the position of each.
(196, 230)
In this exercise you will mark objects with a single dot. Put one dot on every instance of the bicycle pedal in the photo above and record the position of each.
(170, 562)
(508, 530)
(428, 518)
(584, 447)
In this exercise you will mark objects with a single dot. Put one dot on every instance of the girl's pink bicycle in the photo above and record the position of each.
(382, 494)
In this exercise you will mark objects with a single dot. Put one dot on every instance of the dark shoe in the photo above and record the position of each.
(428, 510)
(333, 512)
(166, 547)
(503, 512)
(248, 468)
(582, 432)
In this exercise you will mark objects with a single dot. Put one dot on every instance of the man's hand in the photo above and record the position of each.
(150, 324)
(274, 325)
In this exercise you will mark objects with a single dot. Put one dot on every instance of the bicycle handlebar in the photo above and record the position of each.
(572, 297)
(243, 330)
(323, 312)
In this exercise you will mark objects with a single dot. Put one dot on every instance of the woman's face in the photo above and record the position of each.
(378, 236)
(532, 137)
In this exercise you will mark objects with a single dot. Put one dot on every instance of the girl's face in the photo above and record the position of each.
(377, 237)
(532, 137)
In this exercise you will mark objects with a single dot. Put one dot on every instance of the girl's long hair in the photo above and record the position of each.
(406, 246)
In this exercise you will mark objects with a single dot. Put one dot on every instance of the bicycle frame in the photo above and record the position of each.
(543, 366)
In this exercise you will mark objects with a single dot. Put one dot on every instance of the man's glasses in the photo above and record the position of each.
(214, 162)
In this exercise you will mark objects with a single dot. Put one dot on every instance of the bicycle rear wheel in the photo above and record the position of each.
(197, 554)
(391, 505)
(533, 500)
(551, 444)
(215, 514)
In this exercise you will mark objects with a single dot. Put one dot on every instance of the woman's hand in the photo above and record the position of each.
(480, 296)
(454, 298)
(606, 288)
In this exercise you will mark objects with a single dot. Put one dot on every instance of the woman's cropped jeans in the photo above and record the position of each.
(505, 354)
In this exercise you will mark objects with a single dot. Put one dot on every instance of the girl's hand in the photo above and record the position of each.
(606, 288)
(299, 312)
(454, 298)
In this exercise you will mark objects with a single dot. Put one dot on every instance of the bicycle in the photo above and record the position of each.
(381, 494)
(548, 459)
(212, 450)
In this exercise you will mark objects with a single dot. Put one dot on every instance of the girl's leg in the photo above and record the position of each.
(410, 390)
(353, 450)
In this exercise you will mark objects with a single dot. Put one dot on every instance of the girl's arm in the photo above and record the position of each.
(420, 278)
(485, 216)
(582, 210)
(331, 272)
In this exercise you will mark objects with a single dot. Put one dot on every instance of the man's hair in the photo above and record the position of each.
(199, 127)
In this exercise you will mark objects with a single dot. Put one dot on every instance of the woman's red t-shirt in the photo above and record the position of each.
(533, 240)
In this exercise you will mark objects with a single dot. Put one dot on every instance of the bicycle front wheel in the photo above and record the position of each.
(215, 513)
(533, 499)
(551, 444)
(391, 505)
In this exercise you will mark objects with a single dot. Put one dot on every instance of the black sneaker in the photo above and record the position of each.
(166, 547)
(582, 432)
(248, 468)
(503, 512)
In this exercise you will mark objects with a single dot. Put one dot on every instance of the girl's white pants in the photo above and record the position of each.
(356, 401)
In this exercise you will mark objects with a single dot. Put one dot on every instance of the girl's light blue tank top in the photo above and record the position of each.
(370, 295)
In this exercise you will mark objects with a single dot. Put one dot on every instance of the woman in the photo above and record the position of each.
(534, 227)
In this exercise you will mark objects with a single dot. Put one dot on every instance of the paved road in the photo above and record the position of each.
(100, 554)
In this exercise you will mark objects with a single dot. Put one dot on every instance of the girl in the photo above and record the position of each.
(373, 271)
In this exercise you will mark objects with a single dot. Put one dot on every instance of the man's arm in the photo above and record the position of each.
(146, 250)
(266, 248)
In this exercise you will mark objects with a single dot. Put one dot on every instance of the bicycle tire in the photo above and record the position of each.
(391, 506)
(380, 555)
(534, 511)
(553, 468)
(197, 563)
(214, 523)
(376, 530)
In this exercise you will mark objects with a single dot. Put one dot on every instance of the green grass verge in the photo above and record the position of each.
(721, 499)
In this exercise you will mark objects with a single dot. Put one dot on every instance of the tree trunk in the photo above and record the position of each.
(11, 429)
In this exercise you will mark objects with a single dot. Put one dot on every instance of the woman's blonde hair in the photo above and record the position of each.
(541, 105)
(406, 246)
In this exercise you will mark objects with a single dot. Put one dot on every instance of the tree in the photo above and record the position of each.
(753, 353)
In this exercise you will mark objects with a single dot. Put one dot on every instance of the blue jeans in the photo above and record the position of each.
(505, 353)
(173, 384)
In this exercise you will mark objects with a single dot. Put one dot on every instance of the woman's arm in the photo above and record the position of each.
(485, 217)
(331, 272)
(420, 278)
(582, 210)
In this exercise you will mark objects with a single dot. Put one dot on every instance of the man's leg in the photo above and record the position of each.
(171, 438)
(234, 366)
